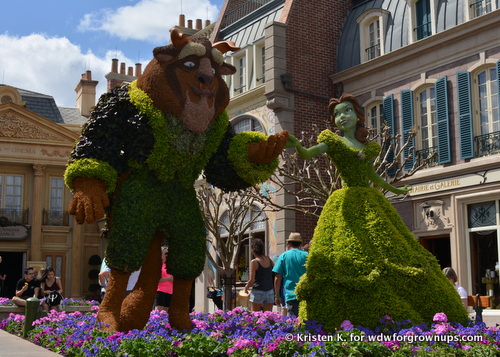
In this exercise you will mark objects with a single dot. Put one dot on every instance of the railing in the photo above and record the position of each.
(243, 10)
(372, 52)
(19, 216)
(55, 218)
(487, 144)
(421, 155)
(423, 30)
(480, 7)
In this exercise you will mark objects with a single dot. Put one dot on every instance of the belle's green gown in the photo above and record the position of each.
(364, 263)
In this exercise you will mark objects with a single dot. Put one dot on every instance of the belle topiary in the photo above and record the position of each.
(139, 155)
(363, 261)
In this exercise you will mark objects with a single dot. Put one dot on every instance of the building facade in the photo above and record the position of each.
(433, 66)
(36, 138)
(428, 65)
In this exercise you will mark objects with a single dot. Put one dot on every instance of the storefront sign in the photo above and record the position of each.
(14, 233)
(479, 178)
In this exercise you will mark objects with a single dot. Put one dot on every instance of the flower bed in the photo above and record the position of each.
(242, 333)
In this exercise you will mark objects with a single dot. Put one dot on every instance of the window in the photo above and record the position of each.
(374, 40)
(260, 63)
(375, 119)
(487, 125)
(247, 124)
(483, 235)
(423, 19)
(55, 215)
(241, 75)
(372, 24)
(478, 8)
(427, 136)
(11, 204)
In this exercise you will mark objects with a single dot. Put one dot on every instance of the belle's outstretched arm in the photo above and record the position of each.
(304, 153)
(379, 181)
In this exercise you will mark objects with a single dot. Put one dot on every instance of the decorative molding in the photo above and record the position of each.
(12, 126)
(56, 153)
(39, 169)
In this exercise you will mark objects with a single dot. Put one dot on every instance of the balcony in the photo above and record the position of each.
(423, 30)
(421, 155)
(13, 215)
(487, 144)
(55, 218)
(372, 52)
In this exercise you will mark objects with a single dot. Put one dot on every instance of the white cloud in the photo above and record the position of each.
(148, 20)
(50, 65)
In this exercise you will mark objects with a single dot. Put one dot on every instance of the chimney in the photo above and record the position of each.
(138, 69)
(190, 24)
(207, 23)
(114, 65)
(182, 20)
(199, 24)
(122, 68)
(85, 93)
(130, 71)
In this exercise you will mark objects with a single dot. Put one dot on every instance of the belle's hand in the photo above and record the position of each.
(404, 190)
(292, 142)
(89, 201)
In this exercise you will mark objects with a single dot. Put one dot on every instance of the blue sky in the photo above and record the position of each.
(45, 46)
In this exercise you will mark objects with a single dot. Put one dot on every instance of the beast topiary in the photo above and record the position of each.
(138, 157)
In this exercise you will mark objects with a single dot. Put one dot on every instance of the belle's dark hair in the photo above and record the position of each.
(361, 131)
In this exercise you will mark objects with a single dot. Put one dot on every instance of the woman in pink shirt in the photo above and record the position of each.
(165, 285)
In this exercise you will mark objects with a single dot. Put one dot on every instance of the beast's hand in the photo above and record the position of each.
(263, 152)
(89, 200)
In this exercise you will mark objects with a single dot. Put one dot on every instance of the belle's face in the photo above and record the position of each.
(345, 116)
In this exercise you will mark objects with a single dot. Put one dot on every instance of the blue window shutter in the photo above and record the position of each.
(388, 109)
(443, 121)
(465, 115)
(408, 123)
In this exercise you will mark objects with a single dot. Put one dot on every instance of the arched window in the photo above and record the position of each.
(246, 123)
(372, 24)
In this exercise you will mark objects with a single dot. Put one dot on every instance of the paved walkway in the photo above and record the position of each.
(13, 346)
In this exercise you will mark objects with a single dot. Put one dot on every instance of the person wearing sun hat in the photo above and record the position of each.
(289, 268)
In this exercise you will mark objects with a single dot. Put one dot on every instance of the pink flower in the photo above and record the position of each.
(346, 325)
(440, 316)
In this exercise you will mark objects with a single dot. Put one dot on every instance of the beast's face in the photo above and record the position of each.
(185, 79)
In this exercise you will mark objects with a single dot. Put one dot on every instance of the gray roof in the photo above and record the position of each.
(72, 116)
(251, 28)
(45, 106)
(449, 14)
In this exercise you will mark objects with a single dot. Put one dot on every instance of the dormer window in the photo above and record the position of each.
(372, 23)
(423, 19)
(478, 8)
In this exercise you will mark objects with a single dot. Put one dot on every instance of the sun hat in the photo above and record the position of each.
(294, 237)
